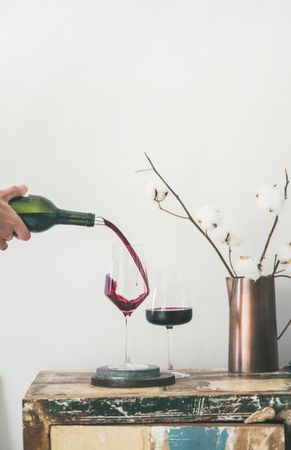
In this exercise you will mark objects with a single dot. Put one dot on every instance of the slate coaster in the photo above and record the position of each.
(110, 376)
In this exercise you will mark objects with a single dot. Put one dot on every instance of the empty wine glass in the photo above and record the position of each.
(171, 306)
(127, 287)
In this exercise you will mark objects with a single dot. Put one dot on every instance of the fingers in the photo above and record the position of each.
(10, 223)
(3, 244)
(14, 191)
(20, 231)
(6, 234)
(8, 238)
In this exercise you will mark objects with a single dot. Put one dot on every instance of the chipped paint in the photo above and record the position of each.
(119, 408)
(204, 397)
(189, 408)
(200, 406)
(256, 401)
(159, 438)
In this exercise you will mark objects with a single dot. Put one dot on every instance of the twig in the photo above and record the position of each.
(268, 242)
(279, 271)
(276, 264)
(275, 223)
(282, 276)
(189, 216)
(170, 212)
(143, 170)
(281, 334)
(230, 260)
(286, 185)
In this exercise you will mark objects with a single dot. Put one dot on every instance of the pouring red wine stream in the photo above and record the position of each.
(125, 305)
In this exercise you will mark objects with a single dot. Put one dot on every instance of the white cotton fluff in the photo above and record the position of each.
(284, 253)
(227, 235)
(247, 267)
(156, 191)
(208, 217)
(271, 199)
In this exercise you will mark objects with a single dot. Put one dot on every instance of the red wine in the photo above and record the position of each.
(127, 306)
(169, 316)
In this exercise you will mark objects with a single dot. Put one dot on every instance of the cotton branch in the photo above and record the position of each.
(189, 216)
(172, 213)
(230, 260)
(286, 185)
(276, 264)
(268, 242)
(282, 276)
(285, 328)
(274, 224)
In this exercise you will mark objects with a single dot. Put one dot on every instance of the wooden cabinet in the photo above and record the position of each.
(62, 411)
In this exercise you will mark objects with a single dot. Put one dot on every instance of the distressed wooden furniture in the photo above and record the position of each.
(63, 411)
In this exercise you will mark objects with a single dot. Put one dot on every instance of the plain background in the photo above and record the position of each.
(85, 88)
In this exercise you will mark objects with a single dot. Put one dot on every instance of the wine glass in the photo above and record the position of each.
(171, 306)
(127, 287)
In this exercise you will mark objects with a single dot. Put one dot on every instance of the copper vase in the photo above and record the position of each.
(253, 343)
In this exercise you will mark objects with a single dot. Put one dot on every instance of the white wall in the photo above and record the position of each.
(86, 87)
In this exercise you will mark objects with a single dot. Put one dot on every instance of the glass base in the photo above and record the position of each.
(103, 378)
(128, 371)
(179, 374)
(129, 366)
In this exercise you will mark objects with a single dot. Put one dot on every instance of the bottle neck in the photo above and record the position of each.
(65, 217)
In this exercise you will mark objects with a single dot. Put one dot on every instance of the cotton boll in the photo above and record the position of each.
(156, 191)
(247, 267)
(208, 217)
(271, 199)
(221, 234)
(227, 235)
(284, 253)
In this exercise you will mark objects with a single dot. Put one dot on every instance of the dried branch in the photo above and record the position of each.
(189, 216)
(279, 271)
(170, 212)
(230, 260)
(282, 276)
(284, 329)
(276, 264)
(143, 170)
(268, 241)
(274, 224)
(286, 185)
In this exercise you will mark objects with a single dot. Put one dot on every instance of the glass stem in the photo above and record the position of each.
(127, 342)
(170, 348)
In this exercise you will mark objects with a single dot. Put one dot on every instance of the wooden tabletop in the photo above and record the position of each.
(204, 382)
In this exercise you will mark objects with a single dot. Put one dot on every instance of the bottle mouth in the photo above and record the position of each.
(99, 221)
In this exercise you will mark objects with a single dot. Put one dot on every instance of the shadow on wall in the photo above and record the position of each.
(5, 442)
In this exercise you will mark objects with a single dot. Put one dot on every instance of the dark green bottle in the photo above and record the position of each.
(39, 214)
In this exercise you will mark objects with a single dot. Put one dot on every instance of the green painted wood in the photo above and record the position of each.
(204, 397)
(182, 408)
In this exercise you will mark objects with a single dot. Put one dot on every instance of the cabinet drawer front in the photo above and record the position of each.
(193, 437)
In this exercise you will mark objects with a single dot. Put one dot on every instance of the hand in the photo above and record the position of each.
(11, 224)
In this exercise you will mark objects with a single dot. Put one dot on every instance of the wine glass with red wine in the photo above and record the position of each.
(127, 287)
(171, 306)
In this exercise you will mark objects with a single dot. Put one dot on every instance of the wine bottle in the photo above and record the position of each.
(39, 214)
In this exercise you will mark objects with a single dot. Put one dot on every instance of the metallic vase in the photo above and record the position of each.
(253, 343)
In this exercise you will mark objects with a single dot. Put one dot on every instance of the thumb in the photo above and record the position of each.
(14, 191)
